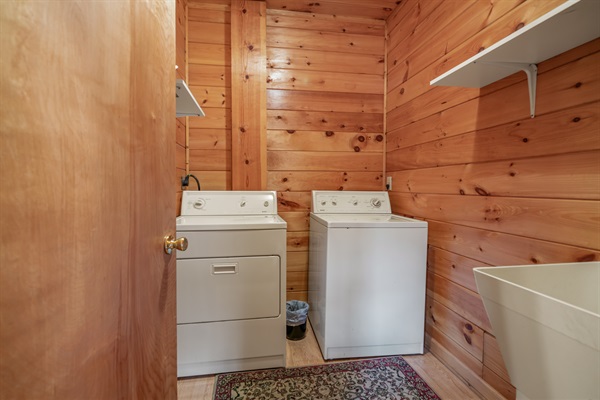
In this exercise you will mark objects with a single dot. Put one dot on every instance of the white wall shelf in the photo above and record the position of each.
(186, 104)
(572, 24)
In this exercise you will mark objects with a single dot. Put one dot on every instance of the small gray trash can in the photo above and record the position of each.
(296, 314)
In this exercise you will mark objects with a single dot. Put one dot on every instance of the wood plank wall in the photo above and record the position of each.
(325, 84)
(181, 163)
(497, 187)
(209, 64)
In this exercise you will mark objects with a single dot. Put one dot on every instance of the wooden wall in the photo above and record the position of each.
(497, 187)
(325, 84)
(209, 72)
(181, 164)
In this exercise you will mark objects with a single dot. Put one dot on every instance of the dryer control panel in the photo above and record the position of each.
(342, 202)
(207, 202)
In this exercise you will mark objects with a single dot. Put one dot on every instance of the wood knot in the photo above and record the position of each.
(269, 79)
(576, 119)
(323, 120)
(361, 128)
(481, 49)
(242, 129)
(379, 138)
(247, 162)
(387, 9)
(521, 24)
(247, 76)
(534, 260)
(467, 338)
(512, 173)
(525, 140)
(291, 131)
(481, 191)
(356, 149)
(361, 138)
(329, 133)
(587, 257)
(250, 47)
(402, 91)
(462, 192)
(578, 84)
(279, 117)
(244, 11)
(284, 180)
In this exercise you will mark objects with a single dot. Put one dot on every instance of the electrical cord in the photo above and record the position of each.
(185, 181)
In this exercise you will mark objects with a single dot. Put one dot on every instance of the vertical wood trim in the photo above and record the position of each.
(248, 95)
(187, 79)
(385, 83)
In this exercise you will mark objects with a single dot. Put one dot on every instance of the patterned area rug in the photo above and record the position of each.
(380, 378)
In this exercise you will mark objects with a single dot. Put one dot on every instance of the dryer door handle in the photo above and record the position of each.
(221, 269)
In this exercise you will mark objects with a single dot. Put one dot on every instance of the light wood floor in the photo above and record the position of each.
(306, 352)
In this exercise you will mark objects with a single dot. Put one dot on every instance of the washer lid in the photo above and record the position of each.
(367, 221)
(229, 222)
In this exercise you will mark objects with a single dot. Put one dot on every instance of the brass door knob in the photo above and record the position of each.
(172, 243)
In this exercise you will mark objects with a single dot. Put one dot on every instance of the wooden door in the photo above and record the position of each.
(87, 105)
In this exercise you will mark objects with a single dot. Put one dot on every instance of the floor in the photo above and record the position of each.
(306, 352)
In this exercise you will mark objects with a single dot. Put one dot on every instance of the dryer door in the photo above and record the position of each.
(225, 289)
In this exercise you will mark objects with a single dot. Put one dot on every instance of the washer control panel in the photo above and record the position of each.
(342, 202)
(229, 203)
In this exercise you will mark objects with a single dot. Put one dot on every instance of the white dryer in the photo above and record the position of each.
(367, 273)
(230, 283)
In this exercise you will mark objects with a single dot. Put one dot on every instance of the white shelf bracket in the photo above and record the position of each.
(531, 72)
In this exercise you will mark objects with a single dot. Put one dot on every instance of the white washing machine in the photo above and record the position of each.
(367, 272)
(230, 283)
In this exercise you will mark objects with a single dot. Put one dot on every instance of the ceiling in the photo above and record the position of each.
(374, 9)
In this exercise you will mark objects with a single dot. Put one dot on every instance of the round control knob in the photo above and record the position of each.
(355, 203)
(199, 203)
(266, 204)
(243, 203)
(323, 203)
(334, 203)
(376, 202)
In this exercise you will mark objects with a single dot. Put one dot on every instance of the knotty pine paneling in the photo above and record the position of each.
(373, 9)
(324, 101)
(218, 76)
(248, 102)
(325, 85)
(566, 176)
(324, 141)
(324, 81)
(529, 217)
(209, 46)
(320, 120)
(419, 146)
(325, 23)
(465, 334)
(496, 187)
(319, 60)
(305, 180)
(454, 267)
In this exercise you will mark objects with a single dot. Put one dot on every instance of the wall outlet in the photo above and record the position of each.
(388, 183)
